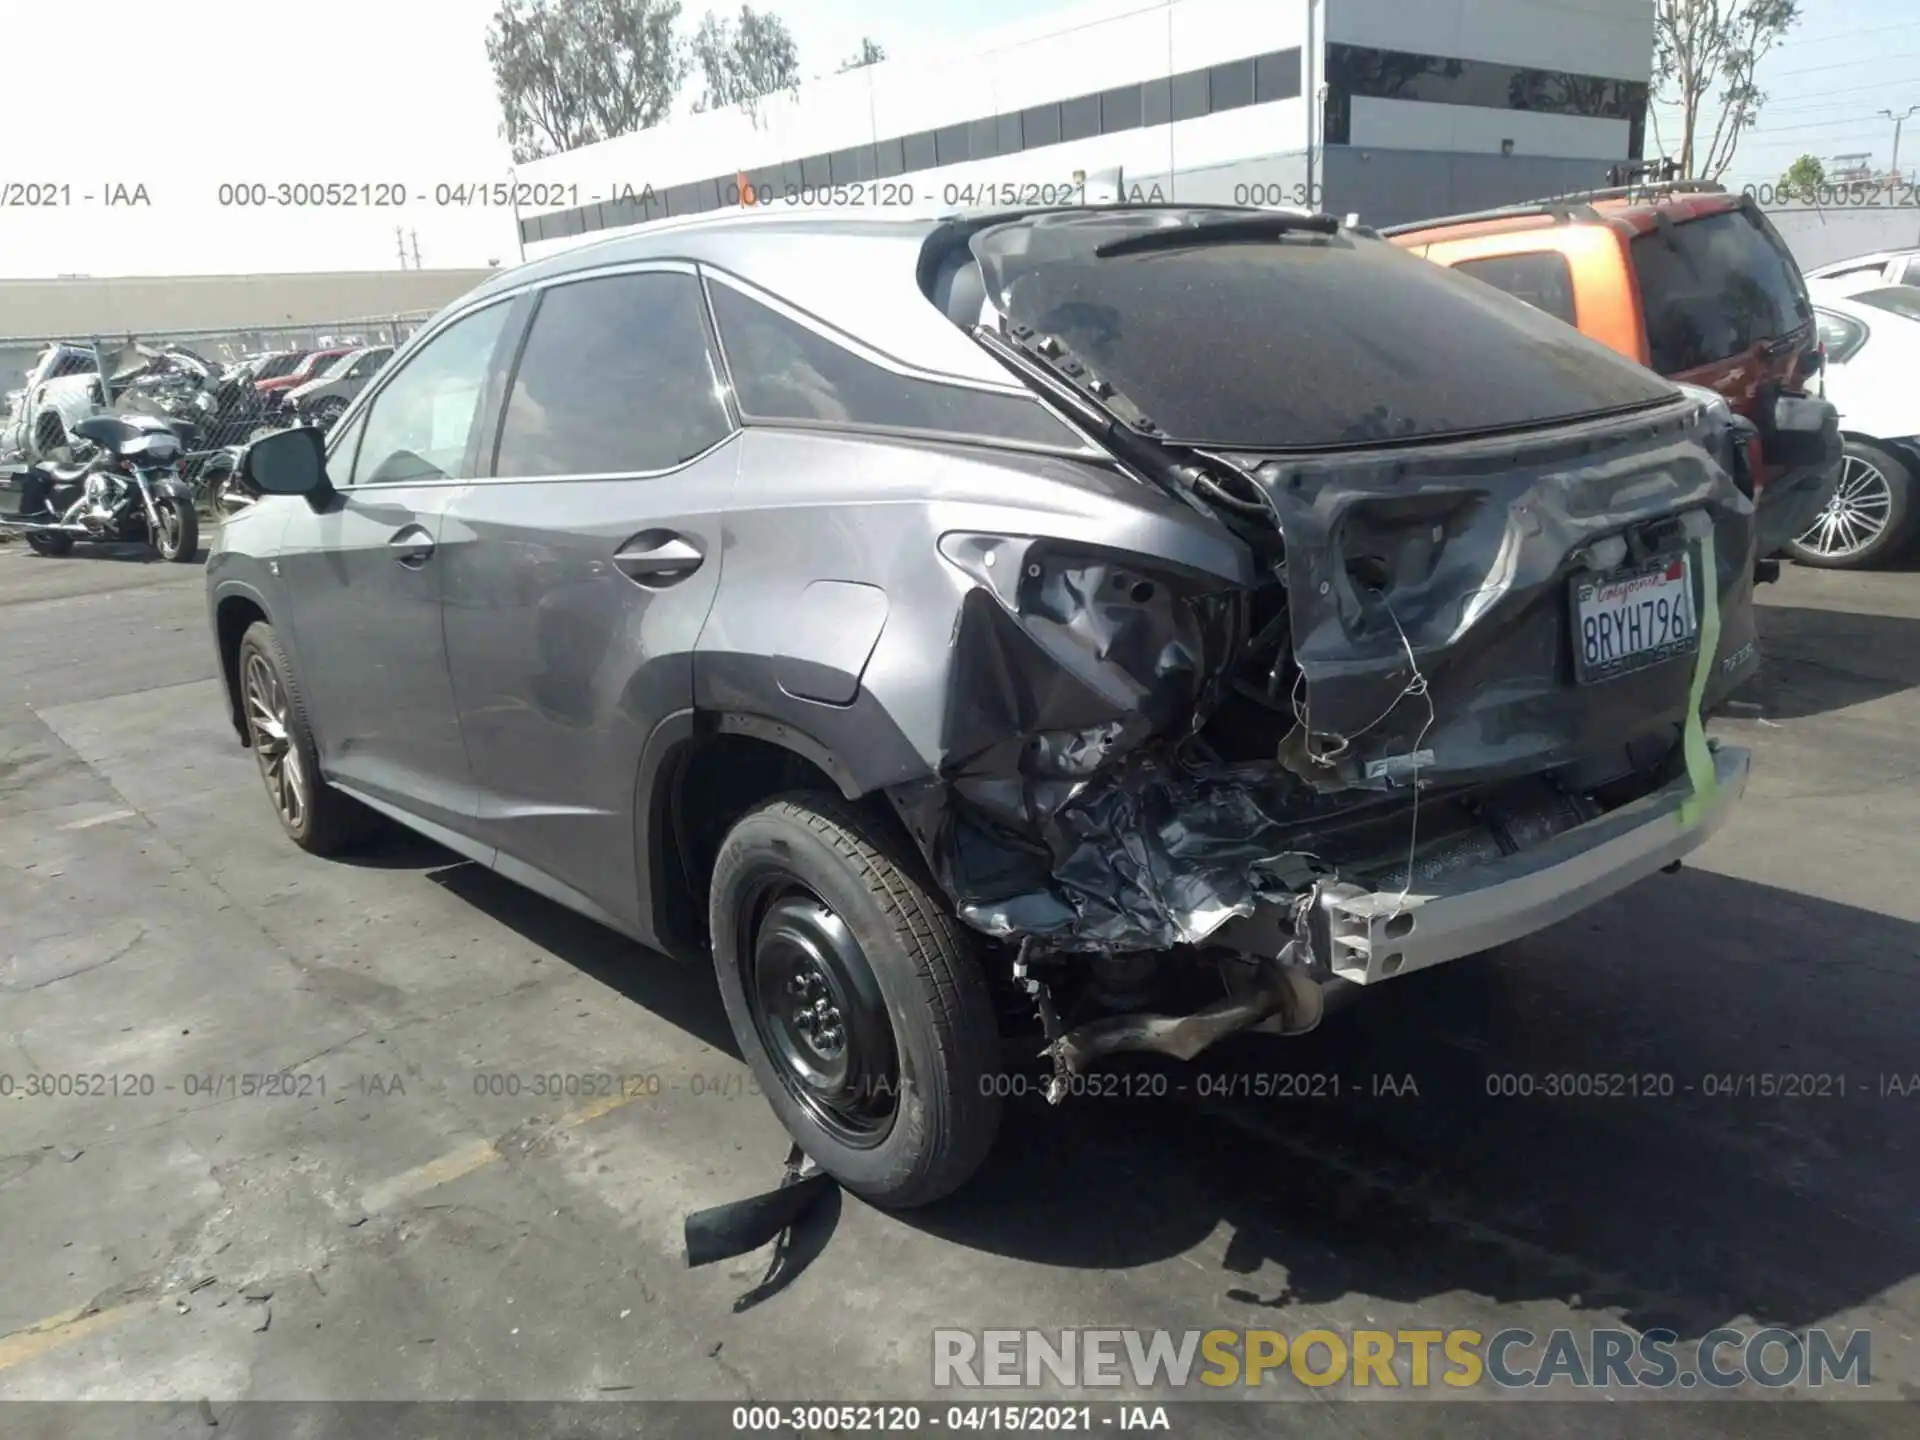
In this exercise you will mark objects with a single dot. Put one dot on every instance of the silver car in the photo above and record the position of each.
(1097, 630)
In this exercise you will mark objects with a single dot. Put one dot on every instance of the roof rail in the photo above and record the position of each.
(1577, 204)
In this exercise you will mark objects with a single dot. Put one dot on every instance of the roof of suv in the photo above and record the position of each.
(1632, 210)
(848, 269)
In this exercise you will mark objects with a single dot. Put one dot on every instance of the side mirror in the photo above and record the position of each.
(289, 462)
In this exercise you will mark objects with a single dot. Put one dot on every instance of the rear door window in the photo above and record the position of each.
(1542, 278)
(1894, 299)
(616, 379)
(1714, 288)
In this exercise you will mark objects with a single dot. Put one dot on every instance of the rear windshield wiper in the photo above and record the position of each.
(1242, 227)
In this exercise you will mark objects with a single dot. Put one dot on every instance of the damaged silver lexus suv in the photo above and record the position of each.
(1093, 630)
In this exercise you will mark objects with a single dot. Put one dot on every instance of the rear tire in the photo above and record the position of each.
(822, 928)
(319, 819)
(1874, 487)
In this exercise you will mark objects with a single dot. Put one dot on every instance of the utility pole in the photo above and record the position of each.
(513, 195)
(400, 239)
(1898, 121)
(416, 248)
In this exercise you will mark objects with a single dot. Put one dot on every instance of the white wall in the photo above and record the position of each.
(1051, 58)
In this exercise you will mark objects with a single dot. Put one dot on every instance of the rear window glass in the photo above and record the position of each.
(1895, 300)
(1301, 342)
(1713, 288)
(1543, 279)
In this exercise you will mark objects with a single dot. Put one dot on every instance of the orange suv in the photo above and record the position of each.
(1690, 280)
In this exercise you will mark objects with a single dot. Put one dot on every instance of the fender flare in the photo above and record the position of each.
(665, 749)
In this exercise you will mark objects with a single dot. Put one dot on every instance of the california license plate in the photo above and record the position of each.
(1631, 619)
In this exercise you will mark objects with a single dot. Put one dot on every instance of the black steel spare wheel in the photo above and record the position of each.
(817, 1009)
(856, 997)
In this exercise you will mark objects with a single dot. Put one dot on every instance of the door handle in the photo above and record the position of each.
(412, 546)
(657, 557)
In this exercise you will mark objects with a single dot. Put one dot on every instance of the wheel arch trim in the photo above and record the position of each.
(668, 746)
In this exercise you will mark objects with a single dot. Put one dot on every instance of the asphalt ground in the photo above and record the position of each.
(446, 1202)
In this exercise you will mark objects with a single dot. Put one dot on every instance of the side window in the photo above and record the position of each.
(341, 445)
(1840, 335)
(1910, 275)
(784, 371)
(1542, 278)
(616, 378)
(418, 426)
(366, 365)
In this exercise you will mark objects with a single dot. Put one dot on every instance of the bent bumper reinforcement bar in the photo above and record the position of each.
(1380, 934)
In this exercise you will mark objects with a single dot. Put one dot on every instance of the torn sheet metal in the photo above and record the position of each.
(1455, 565)
(1428, 595)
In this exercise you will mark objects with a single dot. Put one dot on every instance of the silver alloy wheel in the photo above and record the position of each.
(273, 742)
(1856, 514)
(167, 542)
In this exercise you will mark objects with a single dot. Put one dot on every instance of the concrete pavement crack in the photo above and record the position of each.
(138, 935)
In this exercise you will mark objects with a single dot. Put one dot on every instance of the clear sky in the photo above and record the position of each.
(1845, 62)
(399, 91)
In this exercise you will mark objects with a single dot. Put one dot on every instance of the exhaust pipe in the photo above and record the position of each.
(1287, 1002)
(43, 527)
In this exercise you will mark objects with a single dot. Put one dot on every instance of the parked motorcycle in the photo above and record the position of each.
(124, 484)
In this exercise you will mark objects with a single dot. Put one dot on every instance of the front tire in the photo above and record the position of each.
(857, 1000)
(1870, 517)
(179, 537)
(317, 817)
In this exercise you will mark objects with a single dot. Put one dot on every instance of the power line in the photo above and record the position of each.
(1850, 34)
(1843, 64)
(1772, 108)
(1863, 120)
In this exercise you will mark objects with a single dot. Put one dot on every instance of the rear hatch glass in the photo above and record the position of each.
(1295, 342)
(1714, 288)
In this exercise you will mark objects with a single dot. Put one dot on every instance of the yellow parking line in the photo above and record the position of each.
(474, 1155)
(421, 1178)
(64, 1328)
(56, 1330)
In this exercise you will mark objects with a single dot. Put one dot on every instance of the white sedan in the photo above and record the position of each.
(1872, 340)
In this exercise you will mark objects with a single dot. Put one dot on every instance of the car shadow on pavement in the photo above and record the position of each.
(1414, 1147)
(682, 994)
(1689, 1105)
(1814, 661)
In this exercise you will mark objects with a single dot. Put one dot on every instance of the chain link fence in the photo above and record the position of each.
(19, 354)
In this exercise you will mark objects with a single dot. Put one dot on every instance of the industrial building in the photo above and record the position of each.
(1394, 109)
(174, 304)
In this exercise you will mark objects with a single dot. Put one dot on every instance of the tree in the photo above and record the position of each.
(872, 52)
(744, 61)
(571, 72)
(1699, 45)
(1804, 178)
